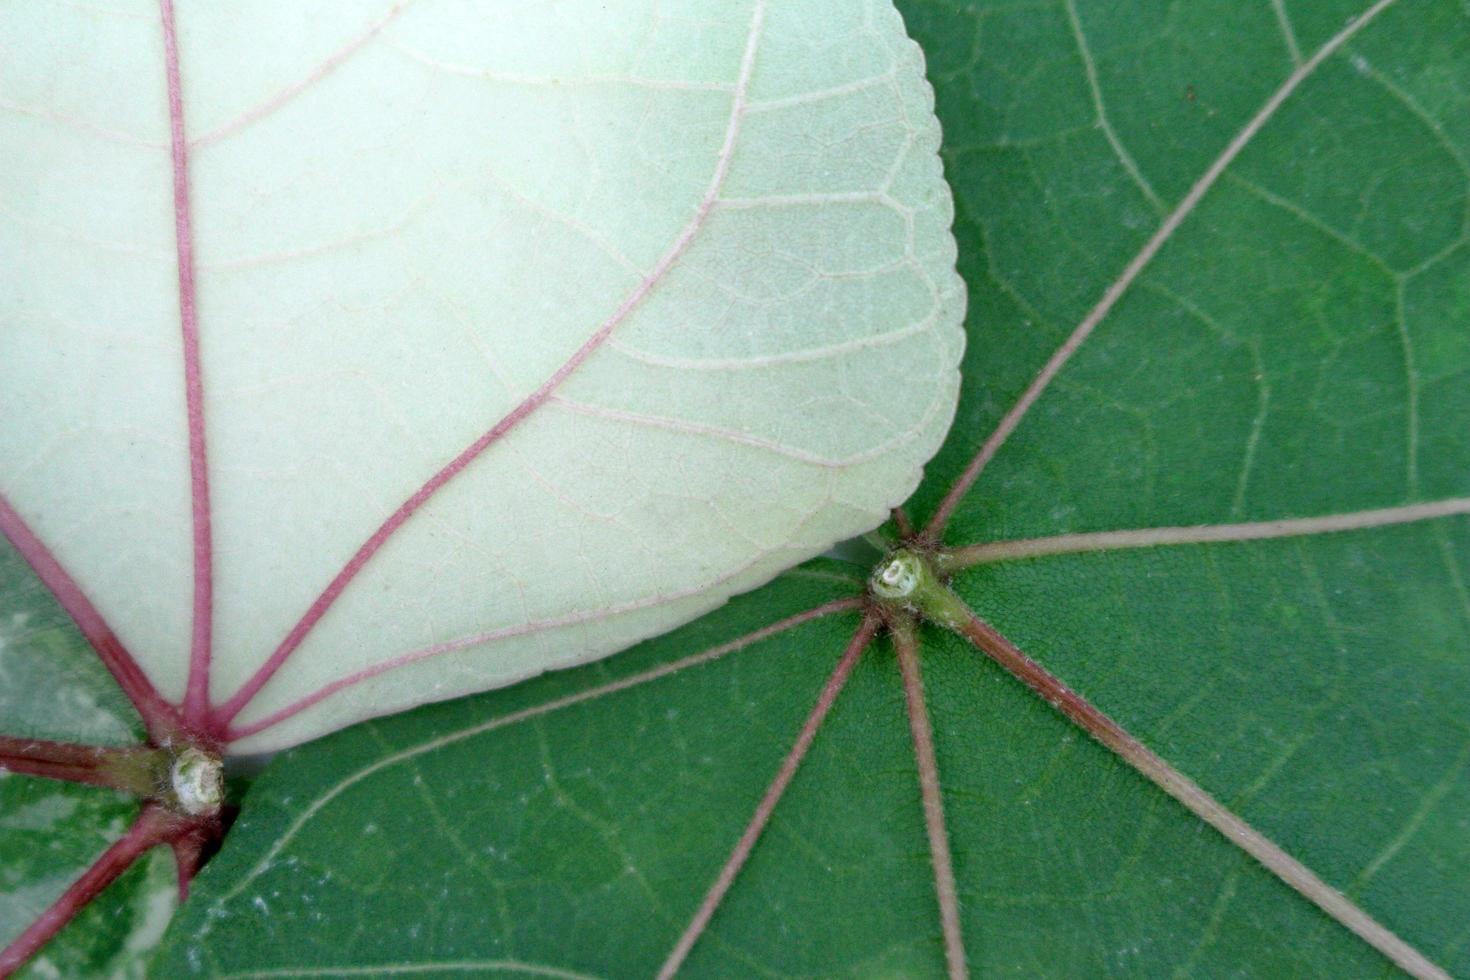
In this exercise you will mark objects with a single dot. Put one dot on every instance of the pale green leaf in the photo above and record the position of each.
(409, 221)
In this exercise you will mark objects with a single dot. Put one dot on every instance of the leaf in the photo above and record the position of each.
(52, 686)
(49, 833)
(510, 334)
(576, 839)
(1285, 368)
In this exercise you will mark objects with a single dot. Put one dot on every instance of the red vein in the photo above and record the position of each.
(462, 643)
(160, 717)
(945, 889)
(1114, 292)
(130, 768)
(154, 825)
(325, 68)
(227, 711)
(1153, 537)
(767, 805)
(196, 696)
(525, 714)
(1196, 800)
(322, 693)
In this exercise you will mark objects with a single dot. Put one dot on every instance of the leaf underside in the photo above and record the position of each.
(1297, 348)
(417, 358)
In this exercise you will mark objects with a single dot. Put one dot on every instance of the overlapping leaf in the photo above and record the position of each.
(1296, 349)
(52, 686)
(510, 334)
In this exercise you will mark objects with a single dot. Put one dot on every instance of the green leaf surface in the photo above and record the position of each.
(49, 833)
(53, 687)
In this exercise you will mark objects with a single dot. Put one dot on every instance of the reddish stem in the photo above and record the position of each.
(161, 718)
(945, 889)
(1199, 802)
(154, 826)
(773, 795)
(196, 843)
(132, 769)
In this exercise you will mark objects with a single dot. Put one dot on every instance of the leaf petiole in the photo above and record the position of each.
(137, 769)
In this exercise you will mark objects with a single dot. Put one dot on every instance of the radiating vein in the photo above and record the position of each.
(1156, 537)
(767, 804)
(1135, 267)
(154, 826)
(945, 889)
(231, 708)
(707, 656)
(595, 614)
(159, 717)
(196, 696)
(1103, 728)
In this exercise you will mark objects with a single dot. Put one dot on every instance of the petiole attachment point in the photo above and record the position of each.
(196, 783)
(897, 577)
(906, 580)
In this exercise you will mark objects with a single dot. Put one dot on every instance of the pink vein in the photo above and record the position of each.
(1115, 292)
(331, 64)
(945, 888)
(1153, 537)
(160, 718)
(1235, 829)
(767, 804)
(525, 714)
(233, 732)
(196, 696)
(227, 711)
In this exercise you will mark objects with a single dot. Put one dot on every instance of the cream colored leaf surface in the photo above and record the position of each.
(687, 264)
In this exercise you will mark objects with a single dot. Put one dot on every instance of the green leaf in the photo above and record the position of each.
(49, 833)
(1296, 349)
(450, 343)
(53, 687)
(580, 838)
